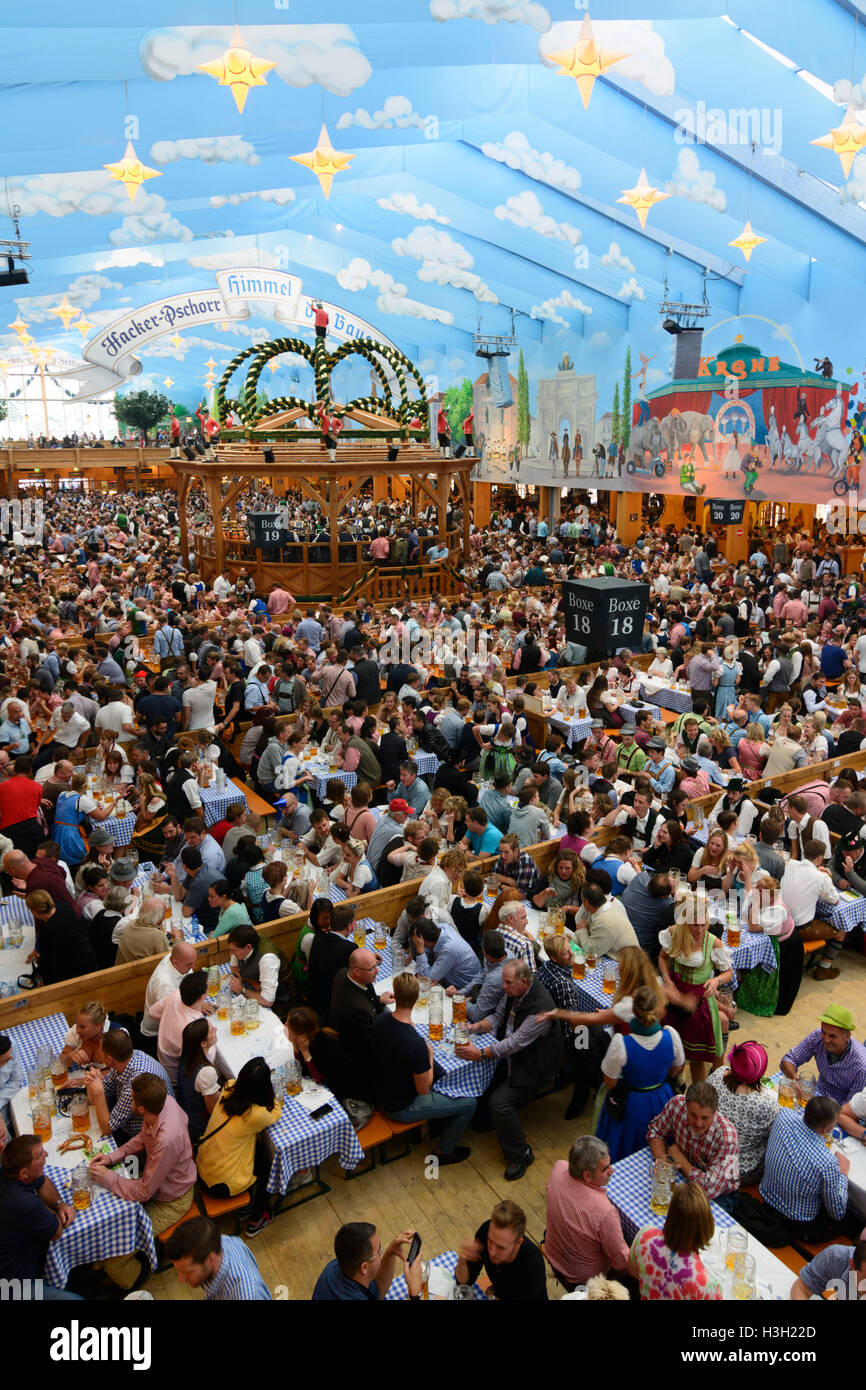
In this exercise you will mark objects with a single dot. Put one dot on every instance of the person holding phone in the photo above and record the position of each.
(362, 1271)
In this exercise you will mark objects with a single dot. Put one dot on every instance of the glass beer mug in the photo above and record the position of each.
(238, 1015)
(436, 1019)
(59, 1071)
(591, 957)
(458, 1008)
(609, 977)
(213, 982)
(42, 1117)
(380, 936)
(662, 1185)
(423, 991)
(16, 936)
(251, 1015)
(224, 1000)
(578, 966)
(43, 1059)
(292, 1072)
(79, 1109)
(359, 935)
(82, 1188)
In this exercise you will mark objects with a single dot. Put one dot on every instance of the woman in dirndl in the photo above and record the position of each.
(690, 956)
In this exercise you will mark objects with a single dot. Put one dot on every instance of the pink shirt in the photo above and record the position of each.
(279, 601)
(173, 1017)
(169, 1167)
(380, 548)
(796, 612)
(584, 1235)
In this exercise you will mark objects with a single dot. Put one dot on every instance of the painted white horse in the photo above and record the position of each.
(809, 449)
(830, 437)
(774, 444)
(790, 452)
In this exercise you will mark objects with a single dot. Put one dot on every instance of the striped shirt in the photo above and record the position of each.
(800, 1173)
(238, 1279)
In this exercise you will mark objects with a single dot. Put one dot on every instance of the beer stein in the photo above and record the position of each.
(436, 1017)
(610, 973)
(591, 958)
(292, 1073)
(736, 1243)
(79, 1110)
(423, 991)
(82, 1188)
(578, 966)
(380, 936)
(251, 1015)
(662, 1185)
(458, 1008)
(398, 960)
(238, 1015)
(359, 935)
(461, 1032)
(744, 1277)
(213, 982)
(786, 1093)
(59, 1071)
(16, 936)
(43, 1059)
(224, 999)
(42, 1117)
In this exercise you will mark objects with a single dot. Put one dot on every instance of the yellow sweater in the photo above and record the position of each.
(228, 1156)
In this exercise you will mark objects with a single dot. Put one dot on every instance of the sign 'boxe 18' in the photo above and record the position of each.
(605, 614)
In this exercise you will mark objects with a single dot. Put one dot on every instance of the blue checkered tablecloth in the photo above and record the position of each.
(755, 949)
(630, 711)
(630, 1187)
(301, 1142)
(398, 1292)
(119, 830)
(322, 776)
(215, 803)
(30, 1036)
(428, 764)
(575, 729)
(110, 1226)
(678, 700)
(844, 915)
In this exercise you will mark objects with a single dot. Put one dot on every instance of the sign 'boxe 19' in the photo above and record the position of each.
(605, 613)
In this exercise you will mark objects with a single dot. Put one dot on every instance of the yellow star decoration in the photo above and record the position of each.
(168, 381)
(238, 70)
(5, 365)
(274, 364)
(846, 140)
(65, 311)
(176, 339)
(131, 172)
(210, 363)
(642, 197)
(42, 353)
(585, 61)
(324, 161)
(747, 241)
(83, 326)
(20, 326)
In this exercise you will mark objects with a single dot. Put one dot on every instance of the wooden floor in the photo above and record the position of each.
(448, 1210)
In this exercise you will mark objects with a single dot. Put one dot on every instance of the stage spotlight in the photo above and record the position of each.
(671, 326)
(11, 276)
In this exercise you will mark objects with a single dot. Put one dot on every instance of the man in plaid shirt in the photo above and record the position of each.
(516, 869)
(704, 1146)
(804, 1181)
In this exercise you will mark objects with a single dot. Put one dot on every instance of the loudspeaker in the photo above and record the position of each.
(392, 453)
(460, 451)
(268, 455)
(189, 452)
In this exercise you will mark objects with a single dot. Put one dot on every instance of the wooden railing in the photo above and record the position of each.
(121, 989)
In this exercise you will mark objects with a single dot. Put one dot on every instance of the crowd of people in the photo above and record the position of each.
(112, 648)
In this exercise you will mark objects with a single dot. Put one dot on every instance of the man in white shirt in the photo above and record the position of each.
(67, 725)
(801, 827)
(222, 586)
(254, 652)
(198, 701)
(118, 717)
(860, 654)
(804, 884)
(165, 980)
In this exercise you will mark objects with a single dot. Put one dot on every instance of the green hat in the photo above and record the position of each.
(838, 1017)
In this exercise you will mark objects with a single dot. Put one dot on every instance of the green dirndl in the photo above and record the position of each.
(758, 992)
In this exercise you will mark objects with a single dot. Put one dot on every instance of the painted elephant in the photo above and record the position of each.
(646, 436)
(687, 427)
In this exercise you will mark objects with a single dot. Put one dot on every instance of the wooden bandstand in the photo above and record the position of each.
(384, 441)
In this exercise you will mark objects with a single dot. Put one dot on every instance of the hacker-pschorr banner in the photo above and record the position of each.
(604, 614)
(110, 354)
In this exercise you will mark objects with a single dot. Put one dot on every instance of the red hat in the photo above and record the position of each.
(398, 804)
